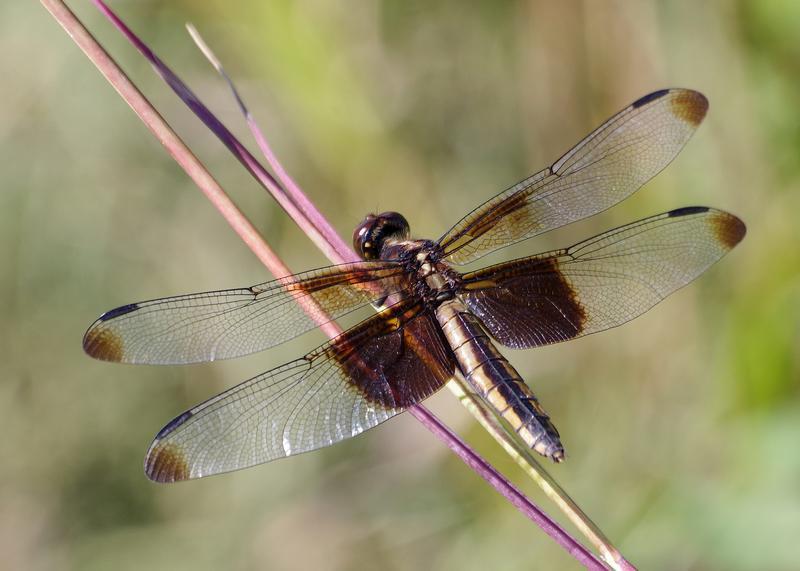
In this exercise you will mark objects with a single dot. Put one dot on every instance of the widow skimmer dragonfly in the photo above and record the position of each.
(433, 321)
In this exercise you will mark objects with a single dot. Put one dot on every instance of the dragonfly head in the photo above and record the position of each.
(371, 235)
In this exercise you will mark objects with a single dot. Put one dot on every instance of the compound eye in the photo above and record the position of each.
(394, 225)
(370, 236)
(363, 240)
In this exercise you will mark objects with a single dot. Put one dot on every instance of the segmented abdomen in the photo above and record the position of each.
(493, 378)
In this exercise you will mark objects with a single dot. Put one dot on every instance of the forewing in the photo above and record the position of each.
(229, 323)
(609, 165)
(599, 283)
(361, 378)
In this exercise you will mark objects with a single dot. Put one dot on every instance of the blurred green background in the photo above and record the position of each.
(682, 428)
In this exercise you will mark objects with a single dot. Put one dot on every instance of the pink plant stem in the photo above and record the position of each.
(186, 159)
(322, 236)
(167, 137)
(291, 188)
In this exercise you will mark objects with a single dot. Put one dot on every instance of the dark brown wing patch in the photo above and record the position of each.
(395, 359)
(531, 304)
(354, 382)
(602, 282)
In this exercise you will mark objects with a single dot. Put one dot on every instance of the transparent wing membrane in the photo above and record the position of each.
(356, 381)
(230, 323)
(606, 167)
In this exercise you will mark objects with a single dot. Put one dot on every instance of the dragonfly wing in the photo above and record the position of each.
(614, 161)
(361, 378)
(230, 323)
(599, 283)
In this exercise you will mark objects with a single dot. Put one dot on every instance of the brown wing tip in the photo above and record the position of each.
(729, 229)
(102, 342)
(165, 463)
(691, 106)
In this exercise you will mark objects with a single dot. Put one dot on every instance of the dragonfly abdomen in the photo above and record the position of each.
(493, 378)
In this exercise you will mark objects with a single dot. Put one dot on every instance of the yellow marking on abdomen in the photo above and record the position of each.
(493, 378)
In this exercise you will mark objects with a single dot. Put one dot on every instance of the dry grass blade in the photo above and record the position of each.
(292, 189)
(522, 456)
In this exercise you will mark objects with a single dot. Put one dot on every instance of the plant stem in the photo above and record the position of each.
(519, 452)
(241, 225)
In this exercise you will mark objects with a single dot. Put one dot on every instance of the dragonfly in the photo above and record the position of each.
(432, 321)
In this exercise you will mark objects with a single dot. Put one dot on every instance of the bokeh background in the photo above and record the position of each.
(682, 428)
